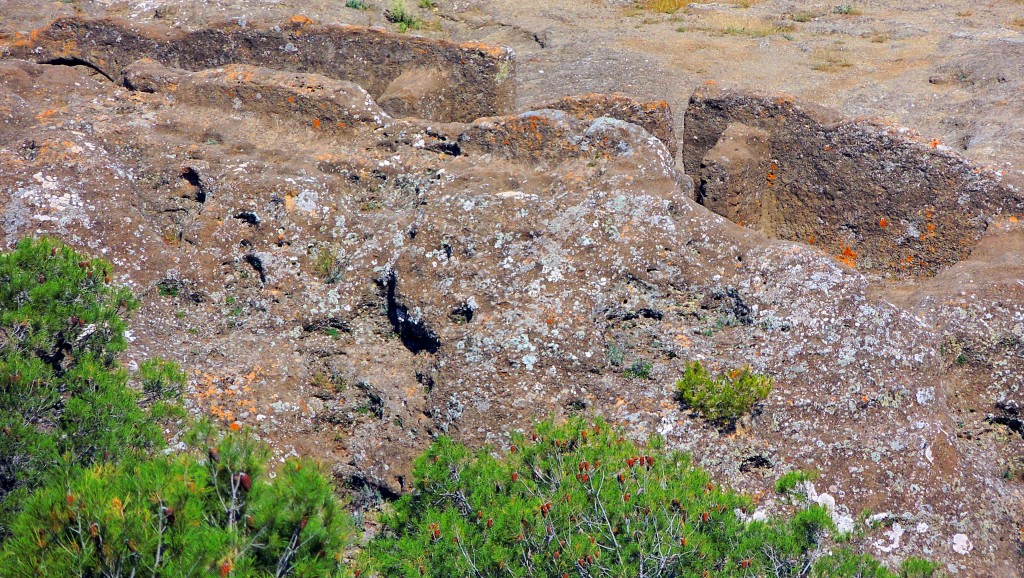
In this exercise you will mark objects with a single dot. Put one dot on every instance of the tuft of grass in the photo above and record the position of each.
(789, 481)
(427, 4)
(914, 567)
(616, 355)
(641, 369)
(847, 10)
(168, 289)
(666, 6)
(829, 60)
(356, 4)
(327, 264)
(399, 14)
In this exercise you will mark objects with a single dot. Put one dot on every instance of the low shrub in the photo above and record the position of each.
(191, 514)
(724, 398)
(399, 14)
(790, 480)
(581, 500)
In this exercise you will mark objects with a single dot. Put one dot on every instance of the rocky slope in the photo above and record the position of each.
(349, 260)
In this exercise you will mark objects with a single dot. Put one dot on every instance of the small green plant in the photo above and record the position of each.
(356, 4)
(722, 399)
(914, 567)
(846, 10)
(847, 564)
(789, 481)
(327, 264)
(641, 369)
(427, 4)
(168, 289)
(616, 355)
(399, 14)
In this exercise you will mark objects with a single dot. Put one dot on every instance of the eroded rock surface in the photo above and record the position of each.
(368, 57)
(351, 291)
(868, 193)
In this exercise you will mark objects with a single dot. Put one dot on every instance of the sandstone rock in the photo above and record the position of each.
(363, 293)
(733, 178)
(310, 99)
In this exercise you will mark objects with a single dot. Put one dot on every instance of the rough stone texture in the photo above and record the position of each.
(871, 194)
(368, 57)
(654, 116)
(350, 294)
(323, 103)
(732, 177)
(419, 92)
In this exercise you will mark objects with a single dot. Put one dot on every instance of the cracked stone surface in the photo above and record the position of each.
(352, 279)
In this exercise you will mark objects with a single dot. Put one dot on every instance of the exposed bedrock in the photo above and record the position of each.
(479, 78)
(875, 196)
(352, 292)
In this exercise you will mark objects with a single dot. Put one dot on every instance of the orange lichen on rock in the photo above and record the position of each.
(486, 49)
(848, 257)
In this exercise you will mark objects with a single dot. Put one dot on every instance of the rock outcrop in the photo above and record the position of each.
(479, 75)
(352, 291)
(873, 195)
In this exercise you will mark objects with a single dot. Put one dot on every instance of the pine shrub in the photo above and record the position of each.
(722, 399)
(61, 391)
(580, 500)
(212, 513)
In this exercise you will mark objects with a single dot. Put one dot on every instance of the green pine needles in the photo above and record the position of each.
(580, 500)
(722, 399)
(61, 391)
(212, 513)
(84, 490)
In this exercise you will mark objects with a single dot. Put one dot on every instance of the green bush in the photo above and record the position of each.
(180, 515)
(61, 391)
(724, 398)
(640, 369)
(398, 13)
(846, 564)
(790, 480)
(581, 500)
(918, 568)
